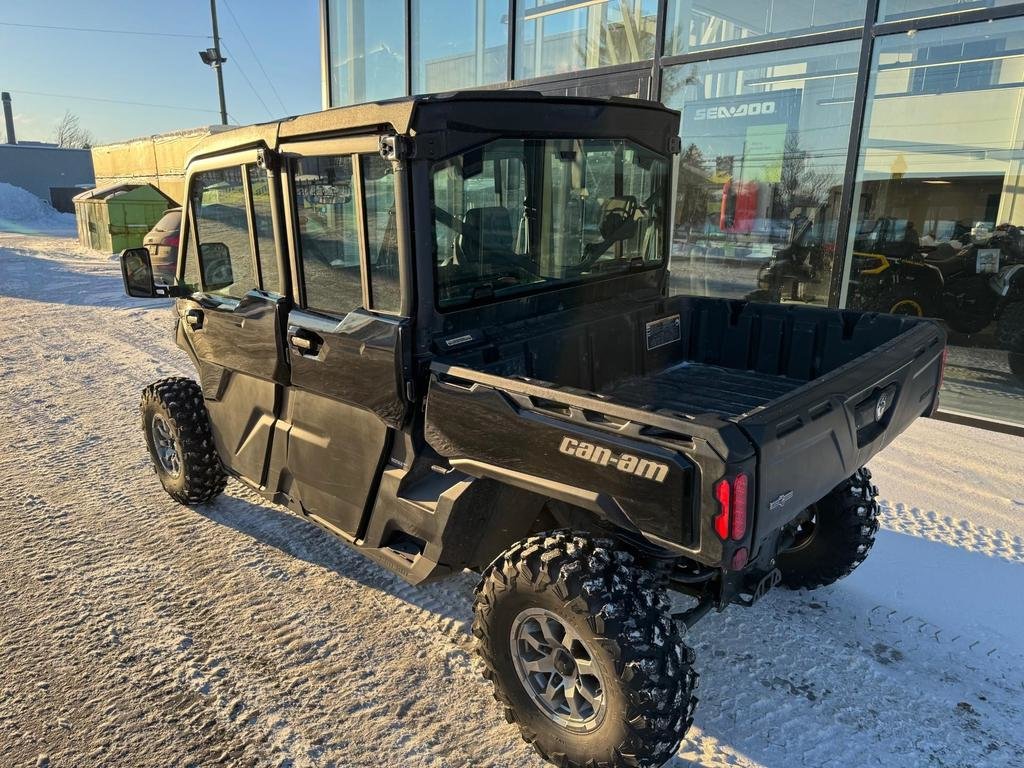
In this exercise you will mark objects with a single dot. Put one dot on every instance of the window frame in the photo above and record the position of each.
(354, 148)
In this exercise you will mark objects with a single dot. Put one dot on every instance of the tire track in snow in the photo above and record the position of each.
(944, 529)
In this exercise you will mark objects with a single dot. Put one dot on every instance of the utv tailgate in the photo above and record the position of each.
(812, 438)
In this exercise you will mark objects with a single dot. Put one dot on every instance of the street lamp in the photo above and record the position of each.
(211, 57)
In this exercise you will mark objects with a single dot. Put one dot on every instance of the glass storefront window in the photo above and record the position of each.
(694, 25)
(555, 36)
(939, 203)
(472, 52)
(366, 49)
(758, 193)
(897, 10)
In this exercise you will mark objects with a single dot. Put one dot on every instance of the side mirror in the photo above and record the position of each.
(216, 261)
(137, 274)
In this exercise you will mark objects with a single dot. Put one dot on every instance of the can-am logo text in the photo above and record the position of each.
(605, 457)
(740, 110)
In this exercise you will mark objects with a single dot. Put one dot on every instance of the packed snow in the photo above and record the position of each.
(21, 211)
(136, 632)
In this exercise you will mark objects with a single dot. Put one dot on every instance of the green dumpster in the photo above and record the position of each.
(113, 218)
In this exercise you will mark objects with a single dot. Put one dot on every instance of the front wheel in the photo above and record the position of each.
(583, 654)
(180, 440)
(832, 537)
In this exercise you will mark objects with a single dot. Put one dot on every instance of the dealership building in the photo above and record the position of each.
(833, 152)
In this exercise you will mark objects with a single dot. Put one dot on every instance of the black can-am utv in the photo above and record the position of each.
(439, 328)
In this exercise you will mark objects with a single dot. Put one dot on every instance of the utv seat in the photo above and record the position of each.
(487, 238)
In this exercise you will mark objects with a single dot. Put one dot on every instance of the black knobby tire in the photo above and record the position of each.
(838, 539)
(622, 613)
(969, 304)
(176, 406)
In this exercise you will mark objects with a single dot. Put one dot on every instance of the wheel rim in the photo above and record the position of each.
(803, 534)
(557, 670)
(165, 445)
(907, 307)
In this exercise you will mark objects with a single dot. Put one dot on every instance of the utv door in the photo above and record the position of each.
(233, 321)
(345, 337)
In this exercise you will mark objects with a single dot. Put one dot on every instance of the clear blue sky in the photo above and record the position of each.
(155, 70)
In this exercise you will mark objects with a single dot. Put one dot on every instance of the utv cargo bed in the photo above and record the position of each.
(808, 395)
(689, 387)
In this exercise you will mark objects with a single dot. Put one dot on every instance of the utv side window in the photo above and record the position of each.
(381, 233)
(221, 230)
(328, 236)
(263, 227)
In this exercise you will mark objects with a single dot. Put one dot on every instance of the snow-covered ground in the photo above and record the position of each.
(134, 632)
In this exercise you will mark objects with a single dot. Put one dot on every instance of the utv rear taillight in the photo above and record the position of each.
(723, 492)
(171, 240)
(731, 494)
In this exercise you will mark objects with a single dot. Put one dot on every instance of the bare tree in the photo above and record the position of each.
(70, 134)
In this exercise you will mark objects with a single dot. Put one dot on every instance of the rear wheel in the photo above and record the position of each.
(180, 440)
(583, 654)
(833, 536)
(969, 304)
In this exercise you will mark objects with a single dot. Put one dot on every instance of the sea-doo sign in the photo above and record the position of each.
(724, 112)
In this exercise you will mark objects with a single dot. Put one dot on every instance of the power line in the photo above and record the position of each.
(110, 101)
(104, 31)
(255, 56)
(238, 66)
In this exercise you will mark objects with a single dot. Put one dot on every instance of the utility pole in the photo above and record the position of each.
(212, 57)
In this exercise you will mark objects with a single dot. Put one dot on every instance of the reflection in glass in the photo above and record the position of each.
(939, 204)
(760, 175)
(554, 36)
(696, 24)
(367, 50)
(896, 10)
(458, 44)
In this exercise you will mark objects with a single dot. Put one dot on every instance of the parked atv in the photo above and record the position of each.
(948, 283)
(488, 388)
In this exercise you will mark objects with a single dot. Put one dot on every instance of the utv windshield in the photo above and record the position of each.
(521, 215)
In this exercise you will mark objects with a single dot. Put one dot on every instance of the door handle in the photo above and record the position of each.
(194, 317)
(305, 342)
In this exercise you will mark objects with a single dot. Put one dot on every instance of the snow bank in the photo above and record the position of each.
(21, 211)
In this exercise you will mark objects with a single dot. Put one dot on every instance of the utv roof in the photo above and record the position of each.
(455, 111)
